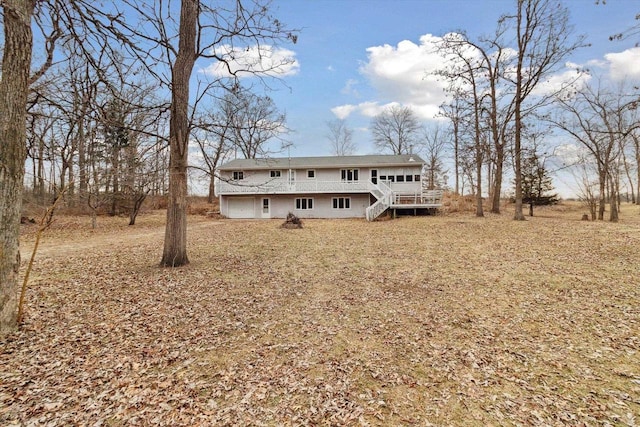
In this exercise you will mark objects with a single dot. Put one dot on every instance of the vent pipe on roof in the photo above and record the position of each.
(411, 159)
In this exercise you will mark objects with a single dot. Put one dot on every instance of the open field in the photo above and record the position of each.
(445, 320)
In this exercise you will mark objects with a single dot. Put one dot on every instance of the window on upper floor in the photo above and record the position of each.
(311, 174)
(238, 175)
(349, 174)
(275, 174)
(399, 178)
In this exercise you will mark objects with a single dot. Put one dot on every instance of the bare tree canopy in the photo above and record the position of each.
(434, 148)
(601, 120)
(395, 130)
(161, 41)
(255, 120)
(341, 137)
(544, 39)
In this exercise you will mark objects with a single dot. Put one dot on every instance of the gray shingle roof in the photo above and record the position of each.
(323, 162)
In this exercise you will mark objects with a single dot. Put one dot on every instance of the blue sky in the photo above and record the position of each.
(349, 50)
(353, 58)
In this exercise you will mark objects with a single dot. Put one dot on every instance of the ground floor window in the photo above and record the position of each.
(304, 204)
(341, 202)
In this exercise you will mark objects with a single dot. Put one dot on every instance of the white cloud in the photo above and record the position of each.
(406, 73)
(350, 88)
(367, 109)
(245, 61)
(572, 79)
(625, 64)
(343, 111)
(570, 154)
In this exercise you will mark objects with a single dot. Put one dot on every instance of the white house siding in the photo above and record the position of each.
(322, 206)
(281, 205)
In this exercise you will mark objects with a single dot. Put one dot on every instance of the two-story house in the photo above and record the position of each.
(324, 187)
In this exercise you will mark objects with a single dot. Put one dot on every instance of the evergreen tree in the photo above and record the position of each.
(536, 182)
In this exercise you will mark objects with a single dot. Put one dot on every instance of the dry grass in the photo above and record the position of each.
(446, 320)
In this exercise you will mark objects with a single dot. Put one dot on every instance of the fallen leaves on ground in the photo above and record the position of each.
(446, 320)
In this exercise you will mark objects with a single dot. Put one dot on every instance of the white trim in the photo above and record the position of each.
(267, 213)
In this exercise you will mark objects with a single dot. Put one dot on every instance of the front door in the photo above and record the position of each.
(266, 208)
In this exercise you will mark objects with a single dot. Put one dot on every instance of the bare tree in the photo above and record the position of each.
(635, 140)
(466, 79)
(456, 113)
(168, 55)
(168, 46)
(255, 120)
(543, 42)
(14, 89)
(213, 133)
(395, 129)
(595, 118)
(341, 137)
(493, 59)
(434, 148)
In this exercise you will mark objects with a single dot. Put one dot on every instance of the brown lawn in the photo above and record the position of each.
(446, 320)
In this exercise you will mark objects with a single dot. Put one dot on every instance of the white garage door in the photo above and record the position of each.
(241, 207)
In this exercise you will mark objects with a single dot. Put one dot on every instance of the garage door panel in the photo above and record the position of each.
(241, 207)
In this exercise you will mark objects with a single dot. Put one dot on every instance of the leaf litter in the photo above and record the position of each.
(446, 320)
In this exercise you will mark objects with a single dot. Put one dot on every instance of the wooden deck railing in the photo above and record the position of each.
(427, 198)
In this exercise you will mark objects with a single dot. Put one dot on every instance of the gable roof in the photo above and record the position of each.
(323, 162)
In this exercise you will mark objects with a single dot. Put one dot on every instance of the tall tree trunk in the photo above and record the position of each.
(212, 189)
(456, 156)
(14, 88)
(517, 152)
(83, 184)
(479, 207)
(115, 174)
(603, 195)
(175, 237)
(497, 181)
(636, 145)
(613, 200)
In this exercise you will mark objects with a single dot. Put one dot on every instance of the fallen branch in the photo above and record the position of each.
(45, 222)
